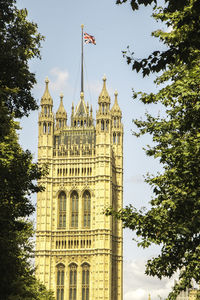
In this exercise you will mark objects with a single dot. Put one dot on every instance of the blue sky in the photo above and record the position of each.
(114, 27)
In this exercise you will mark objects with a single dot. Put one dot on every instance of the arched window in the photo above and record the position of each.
(74, 210)
(86, 209)
(107, 124)
(118, 138)
(102, 125)
(73, 282)
(62, 210)
(103, 108)
(114, 138)
(44, 128)
(60, 282)
(85, 281)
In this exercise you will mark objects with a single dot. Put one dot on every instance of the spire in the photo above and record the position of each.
(116, 109)
(46, 98)
(61, 112)
(149, 297)
(104, 96)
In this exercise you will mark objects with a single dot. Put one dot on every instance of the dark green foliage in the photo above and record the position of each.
(173, 220)
(19, 42)
(182, 42)
(17, 183)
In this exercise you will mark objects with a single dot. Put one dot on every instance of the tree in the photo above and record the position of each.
(173, 220)
(19, 42)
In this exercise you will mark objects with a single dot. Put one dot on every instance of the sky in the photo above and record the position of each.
(114, 28)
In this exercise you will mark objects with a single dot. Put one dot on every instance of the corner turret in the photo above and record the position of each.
(117, 128)
(103, 114)
(46, 124)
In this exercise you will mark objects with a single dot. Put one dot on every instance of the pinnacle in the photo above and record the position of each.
(104, 96)
(46, 98)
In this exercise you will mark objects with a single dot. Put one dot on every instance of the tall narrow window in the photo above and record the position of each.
(86, 209)
(44, 128)
(60, 282)
(102, 125)
(74, 210)
(73, 282)
(62, 210)
(85, 281)
(114, 138)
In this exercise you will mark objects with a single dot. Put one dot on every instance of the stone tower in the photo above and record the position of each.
(78, 248)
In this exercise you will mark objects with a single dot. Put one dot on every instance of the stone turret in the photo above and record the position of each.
(103, 114)
(117, 129)
(46, 124)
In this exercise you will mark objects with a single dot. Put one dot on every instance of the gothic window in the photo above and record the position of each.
(62, 210)
(73, 282)
(49, 127)
(107, 124)
(85, 281)
(118, 138)
(103, 108)
(86, 209)
(74, 210)
(59, 123)
(45, 110)
(44, 128)
(102, 125)
(114, 138)
(60, 282)
(115, 122)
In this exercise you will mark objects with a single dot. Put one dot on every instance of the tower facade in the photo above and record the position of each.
(78, 248)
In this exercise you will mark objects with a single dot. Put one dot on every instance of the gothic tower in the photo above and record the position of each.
(78, 248)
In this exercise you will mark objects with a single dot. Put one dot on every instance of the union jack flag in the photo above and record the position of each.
(89, 39)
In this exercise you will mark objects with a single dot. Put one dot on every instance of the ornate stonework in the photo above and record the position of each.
(78, 248)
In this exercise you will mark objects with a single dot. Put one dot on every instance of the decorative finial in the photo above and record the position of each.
(61, 96)
(104, 77)
(82, 26)
(47, 80)
(149, 297)
(82, 95)
(116, 93)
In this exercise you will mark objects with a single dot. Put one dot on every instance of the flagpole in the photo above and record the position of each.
(82, 26)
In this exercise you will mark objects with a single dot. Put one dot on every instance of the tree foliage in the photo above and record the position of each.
(182, 42)
(19, 42)
(173, 220)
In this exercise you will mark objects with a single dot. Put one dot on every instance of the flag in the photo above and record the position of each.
(89, 39)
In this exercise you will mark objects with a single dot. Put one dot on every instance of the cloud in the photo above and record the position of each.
(136, 179)
(61, 79)
(137, 285)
